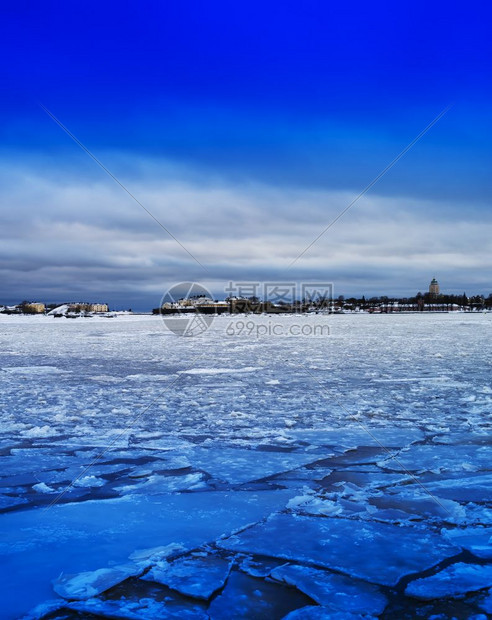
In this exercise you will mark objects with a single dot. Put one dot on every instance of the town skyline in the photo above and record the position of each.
(432, 294)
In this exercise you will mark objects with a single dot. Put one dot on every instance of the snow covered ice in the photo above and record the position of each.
(365, 550)
(146, 475)
(199, 577)
(334, 591)
(452, 581)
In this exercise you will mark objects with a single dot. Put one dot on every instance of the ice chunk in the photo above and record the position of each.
(35, 370)
(147, 557)
(142, 609)
(148, 377)
(353, 436)
(478, 540)
(440, 458)
(89, 482)
(40, 431)
(258, 568)
(43, 609)
(236, 465)
(6, 501)
(107, 379)
(157, 484)
(246, 597)
(199, 577)
(364, 480)
(486, 603)
(454, 580)
(219, 371)
(314, 505)
(171, 460)
(41, 487)
(335, 591)
(414, 502)
(91, 583)
(474, 488)
(377, 552)
(324, 613)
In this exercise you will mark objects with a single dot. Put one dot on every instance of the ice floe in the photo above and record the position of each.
(334, 591)
(477, 540)
(142, 609)
(237, 466)
(247, 597)
(377, 552)
(195, 576)
(91, 583)
(454, 580)
(219, 371)
(312, 612)
(152, 555)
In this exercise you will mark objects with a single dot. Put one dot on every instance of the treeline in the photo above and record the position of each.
(476, 302)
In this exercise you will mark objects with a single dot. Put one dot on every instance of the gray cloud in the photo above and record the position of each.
(63, 237)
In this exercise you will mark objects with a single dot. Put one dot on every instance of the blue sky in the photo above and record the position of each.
(245, 128)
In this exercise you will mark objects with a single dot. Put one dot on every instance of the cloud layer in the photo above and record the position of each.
(66, 237)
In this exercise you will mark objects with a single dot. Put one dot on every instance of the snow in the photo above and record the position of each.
(366, 453)
(63, 309)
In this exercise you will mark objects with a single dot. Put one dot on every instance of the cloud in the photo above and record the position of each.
(66, 237)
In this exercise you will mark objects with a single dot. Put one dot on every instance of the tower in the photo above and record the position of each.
(434, 288)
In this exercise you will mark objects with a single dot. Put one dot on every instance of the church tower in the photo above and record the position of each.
(434, 288)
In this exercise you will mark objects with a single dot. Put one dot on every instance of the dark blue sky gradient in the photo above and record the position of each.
(237, 83)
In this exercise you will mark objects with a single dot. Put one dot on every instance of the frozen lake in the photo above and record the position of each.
(343, 474)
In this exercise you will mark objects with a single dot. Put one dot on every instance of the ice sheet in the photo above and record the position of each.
(171, 440)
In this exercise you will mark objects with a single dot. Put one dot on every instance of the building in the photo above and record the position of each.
(83, 306)
(98, 308)
(434, 288)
